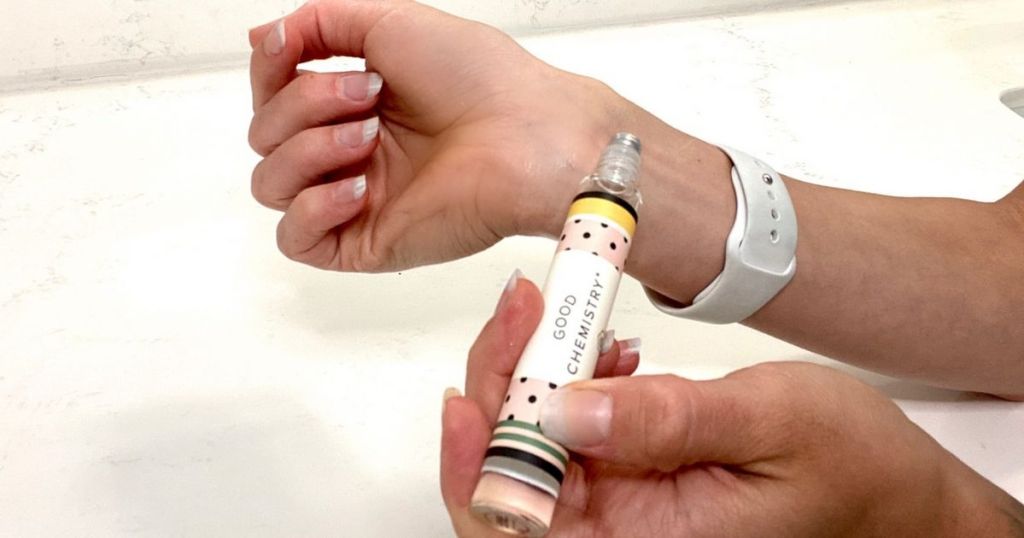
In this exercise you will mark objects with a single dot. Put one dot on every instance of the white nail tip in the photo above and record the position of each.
(282, 36)
(374, 83)
(451, 392)
(607, 339)
(274, 43)
(359, 187)
(551, 419)
(630, 346)
(513, 280)
(370, 128)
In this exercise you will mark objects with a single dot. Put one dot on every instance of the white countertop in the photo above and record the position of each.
(164, 371)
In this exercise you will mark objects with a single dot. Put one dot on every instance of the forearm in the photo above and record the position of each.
(924, 288)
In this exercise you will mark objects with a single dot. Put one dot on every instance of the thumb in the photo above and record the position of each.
(664, 422)
(330, 29)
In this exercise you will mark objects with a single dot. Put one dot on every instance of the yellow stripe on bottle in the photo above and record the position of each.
(604, 208)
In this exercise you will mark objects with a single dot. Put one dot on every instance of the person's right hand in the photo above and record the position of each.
(774, 450)
(478, 139)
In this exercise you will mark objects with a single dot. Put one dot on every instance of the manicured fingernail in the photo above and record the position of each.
(370, 128)
(273, 44)
(359, 187)
(357, 134)
(350, 190)
(374, 82)
(607, 339)
(510, 288)
(449, 393)
(359, 87)
(630, 346)
(577, 418)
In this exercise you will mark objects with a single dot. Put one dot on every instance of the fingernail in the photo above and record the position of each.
(355, 135)
(577, 417)
(273, 44)
(350, 190)
(370, 128)
(374, 82)
(510, 288)
(359, 87)
(630, 346)
(607, 339)
(449, 393)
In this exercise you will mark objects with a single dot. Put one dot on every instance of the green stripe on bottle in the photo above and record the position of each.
(518, 424)
(534, 443)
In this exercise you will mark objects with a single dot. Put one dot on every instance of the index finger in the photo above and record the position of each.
(494, 355)
(315, 31)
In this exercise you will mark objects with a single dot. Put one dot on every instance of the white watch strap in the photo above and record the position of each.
(760, 252)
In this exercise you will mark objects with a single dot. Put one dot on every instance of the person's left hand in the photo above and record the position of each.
(778, 449)
(474, 138)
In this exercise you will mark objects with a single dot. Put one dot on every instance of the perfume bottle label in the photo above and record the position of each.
(578, 296)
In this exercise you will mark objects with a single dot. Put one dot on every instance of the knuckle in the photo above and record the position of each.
(665, 428)
(783, 381)
(764, 370)
(260, 188)
(265, 191)
(258, 140)
(790, 383)
(802, 399)
(362, 260)
(284, 243)
(256, 182)
(307, 85)
(293, 231)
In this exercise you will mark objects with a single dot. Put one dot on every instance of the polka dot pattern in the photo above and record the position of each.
(597, 238)
(524, 398)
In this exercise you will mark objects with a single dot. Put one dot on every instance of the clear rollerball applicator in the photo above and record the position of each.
(523, 470)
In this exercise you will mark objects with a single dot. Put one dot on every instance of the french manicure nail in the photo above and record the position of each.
(350, 190)
(449, 393)
(359, 87)
(577, 418)
(374, 82)
(356, 135)
(607, 339)
(630, 346)
(370, 128)
(510, 288)
(273, 44)
(359, 188)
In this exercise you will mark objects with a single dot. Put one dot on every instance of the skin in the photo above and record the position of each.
(480, 140)
(769, 451)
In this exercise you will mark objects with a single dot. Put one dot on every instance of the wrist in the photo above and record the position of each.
(689, 208)
(578, 122)
(688, 200)
(976, 507)
(944, 498)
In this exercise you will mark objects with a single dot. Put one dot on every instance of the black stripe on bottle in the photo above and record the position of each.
(526, 457)
(611, 198)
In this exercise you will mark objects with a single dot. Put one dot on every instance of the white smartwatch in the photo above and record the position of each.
(760, 252)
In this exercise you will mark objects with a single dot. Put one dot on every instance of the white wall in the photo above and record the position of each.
(45, 42)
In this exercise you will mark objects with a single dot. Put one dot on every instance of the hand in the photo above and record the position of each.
(779, 449)
(477, 139)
